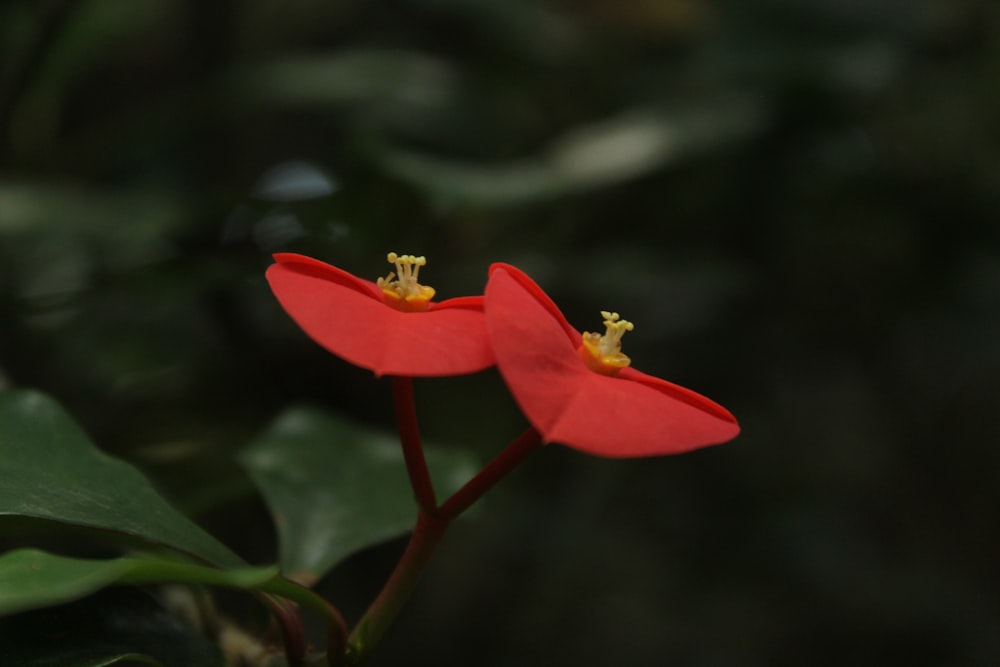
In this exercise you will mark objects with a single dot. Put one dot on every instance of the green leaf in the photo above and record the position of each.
(33, 579)
(335, 487)
(411, 80)
(30, 578)
(50, 470)
(615, 150)
(119, 626)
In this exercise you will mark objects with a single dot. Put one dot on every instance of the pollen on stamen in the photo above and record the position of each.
(400, 289)
(603, 353)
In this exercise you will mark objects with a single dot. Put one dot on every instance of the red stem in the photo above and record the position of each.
(291, 628)
(369, 630)
(430, 526)
(496, 470)
(413, 451)
(336, 639)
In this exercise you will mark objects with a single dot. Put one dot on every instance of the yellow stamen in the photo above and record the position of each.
(404, 292)
(604, 353)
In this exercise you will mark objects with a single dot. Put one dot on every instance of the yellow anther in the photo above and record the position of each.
(400, 289)
(604, 353)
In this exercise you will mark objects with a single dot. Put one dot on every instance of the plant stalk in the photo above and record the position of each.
(336, 627)
(372, 626)
(292, 631)
(413, 451)
(488, 477)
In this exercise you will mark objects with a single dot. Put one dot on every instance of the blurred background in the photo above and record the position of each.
(794, 200)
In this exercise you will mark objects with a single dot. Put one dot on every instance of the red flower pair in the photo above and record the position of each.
(575, 389)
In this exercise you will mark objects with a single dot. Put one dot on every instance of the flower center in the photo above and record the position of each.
(400, 289)
(603, 354)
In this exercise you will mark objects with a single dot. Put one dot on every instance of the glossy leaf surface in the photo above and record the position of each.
(30, 578)
(335, 487)
(51, 471)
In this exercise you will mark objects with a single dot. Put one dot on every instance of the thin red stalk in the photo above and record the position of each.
(369, 630)
(429, 530)
(336, 639)
(291, 593)
(291, 628)
(413, 451)
(496, 470)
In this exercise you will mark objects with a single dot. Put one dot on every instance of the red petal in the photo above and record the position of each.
(619, 416)
(346, 315)
(631, 414)
(543, 299)
(324, 271)
(534, 354)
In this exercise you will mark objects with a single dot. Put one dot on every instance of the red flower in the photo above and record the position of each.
(392, 327)
(577, 389)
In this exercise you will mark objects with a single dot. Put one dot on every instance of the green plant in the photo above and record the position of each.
(333, 487)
